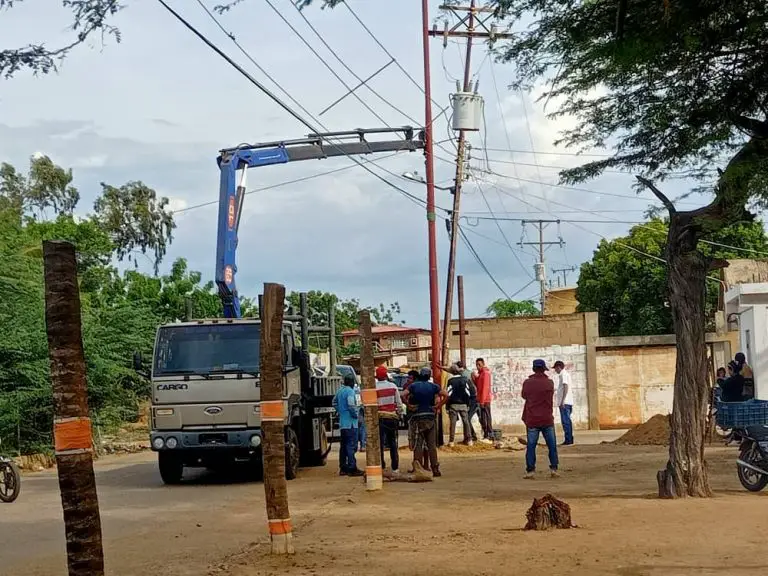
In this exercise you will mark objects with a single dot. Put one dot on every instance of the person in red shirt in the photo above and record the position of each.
(482, 379)
(538, 393)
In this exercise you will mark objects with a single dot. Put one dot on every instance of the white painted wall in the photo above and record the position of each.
(753, 325)
(511, 366)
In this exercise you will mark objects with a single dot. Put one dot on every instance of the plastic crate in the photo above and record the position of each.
(741, 414)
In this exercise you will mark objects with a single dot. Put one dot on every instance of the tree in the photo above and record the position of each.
(679, 85)
(628, 289)
(136, 219)
(503, 308)
(45, 186)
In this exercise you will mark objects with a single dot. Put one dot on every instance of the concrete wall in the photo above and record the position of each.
(511, 366)
(560, 301)
(520, 332)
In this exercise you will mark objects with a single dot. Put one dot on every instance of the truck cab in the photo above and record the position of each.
(205, 398)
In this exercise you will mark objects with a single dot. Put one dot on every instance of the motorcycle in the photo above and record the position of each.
(752, 464)
(10, 480)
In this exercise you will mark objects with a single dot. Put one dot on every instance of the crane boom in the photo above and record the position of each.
(232, 191)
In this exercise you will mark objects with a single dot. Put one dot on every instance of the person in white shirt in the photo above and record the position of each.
(564, 400)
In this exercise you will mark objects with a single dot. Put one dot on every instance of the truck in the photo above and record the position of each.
(205, 373)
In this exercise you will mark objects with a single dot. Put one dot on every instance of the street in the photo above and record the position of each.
(470, 519)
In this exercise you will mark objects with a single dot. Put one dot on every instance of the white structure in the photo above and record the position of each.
(748, 305)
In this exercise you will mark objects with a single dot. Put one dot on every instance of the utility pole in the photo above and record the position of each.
(434, 294)
(541, 274)
(462, 327)
(564, 272)
(373, 474)
(475, 26)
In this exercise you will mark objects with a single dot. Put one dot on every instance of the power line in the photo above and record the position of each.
(549, 153)
(481, 263)
(275, 98)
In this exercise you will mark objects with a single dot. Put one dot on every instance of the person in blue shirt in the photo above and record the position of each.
(346, 405)
(426, 398)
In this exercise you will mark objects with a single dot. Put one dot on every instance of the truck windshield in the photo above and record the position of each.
(206, 349)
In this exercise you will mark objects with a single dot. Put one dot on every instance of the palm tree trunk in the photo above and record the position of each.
(373, 477)
(273, 420)
(72, 427)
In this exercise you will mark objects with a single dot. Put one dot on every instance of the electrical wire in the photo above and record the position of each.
(481, 263)
(277, 100)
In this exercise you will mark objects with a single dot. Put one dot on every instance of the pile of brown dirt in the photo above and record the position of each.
(654, 432)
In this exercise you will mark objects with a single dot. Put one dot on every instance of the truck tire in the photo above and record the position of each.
(318, 457)
(171, 467)
(292, 454)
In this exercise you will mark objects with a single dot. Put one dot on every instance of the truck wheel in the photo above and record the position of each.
(292, 454)
(318, 457)
(171, 467)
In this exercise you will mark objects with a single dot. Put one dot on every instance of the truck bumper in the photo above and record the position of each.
(204, 440)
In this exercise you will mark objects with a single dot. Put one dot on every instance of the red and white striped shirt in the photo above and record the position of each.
(388, 397)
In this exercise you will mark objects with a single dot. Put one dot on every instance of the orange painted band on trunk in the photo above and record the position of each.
(72, 434)
(280, 526)
(369, 397)
(373, 470)
(272, 410)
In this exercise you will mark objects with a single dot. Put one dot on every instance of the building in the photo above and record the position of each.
(391, 341)
(746, 305)
(560, 301)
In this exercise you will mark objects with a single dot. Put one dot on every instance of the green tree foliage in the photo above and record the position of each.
(503, 308)
(629, 289)
(121, 312)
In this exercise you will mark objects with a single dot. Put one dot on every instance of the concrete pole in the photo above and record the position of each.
(332, 340)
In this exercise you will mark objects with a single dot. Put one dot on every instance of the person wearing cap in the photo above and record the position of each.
(565, 400)
(428, 399)
(348, 409)
(473, 407)
(390, 408)
(538, 393)
(458, 405)
(413, 376)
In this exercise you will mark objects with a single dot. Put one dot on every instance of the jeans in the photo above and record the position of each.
(565, 419)
(455, 412)
(533, 439)
(362, 431)
(388, 428)
(347, 450)
(473, 407)
(426, 435)
(485, 420)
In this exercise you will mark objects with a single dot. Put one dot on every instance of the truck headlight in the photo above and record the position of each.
(158, 443)
(255, 440)
(171, 443)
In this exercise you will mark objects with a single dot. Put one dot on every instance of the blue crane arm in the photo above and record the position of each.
(231, 195)
(234, 162)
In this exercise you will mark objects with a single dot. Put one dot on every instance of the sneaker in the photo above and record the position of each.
(470, 443)
(486, 441)
(451, 444)
(436, 473)
(529, 475)
(356, 472)
(554, 474)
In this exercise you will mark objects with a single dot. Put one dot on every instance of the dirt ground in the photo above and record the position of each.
(470, 522)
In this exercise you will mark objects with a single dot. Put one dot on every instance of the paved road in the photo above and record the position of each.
(147, 527)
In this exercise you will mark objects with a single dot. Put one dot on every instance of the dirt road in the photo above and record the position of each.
(468, 522)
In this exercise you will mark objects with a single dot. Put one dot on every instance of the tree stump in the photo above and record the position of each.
(548, 512)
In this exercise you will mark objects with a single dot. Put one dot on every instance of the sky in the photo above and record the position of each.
(159, 105)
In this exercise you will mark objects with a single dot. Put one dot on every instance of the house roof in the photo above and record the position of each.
(387, 329)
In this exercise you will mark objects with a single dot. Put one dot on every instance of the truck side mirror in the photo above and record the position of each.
(137, 362)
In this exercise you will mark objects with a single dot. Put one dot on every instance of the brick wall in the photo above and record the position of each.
(511, 366)
(560, 301)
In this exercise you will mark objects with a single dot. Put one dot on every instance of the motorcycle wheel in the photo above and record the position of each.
(750, 479)
(10, 482)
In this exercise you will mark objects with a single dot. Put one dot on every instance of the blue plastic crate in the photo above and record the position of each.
(741, 414)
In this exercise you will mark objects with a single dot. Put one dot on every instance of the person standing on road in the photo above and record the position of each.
(458, 405)
(473, 408)
(362, 432)
(482, 379)
(348, 409)
(413, 375)
(565, 401)
(538, 393)
(390, 408)
(427, 398)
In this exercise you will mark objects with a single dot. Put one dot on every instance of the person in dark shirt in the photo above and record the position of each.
(733, 386)
(538, 393)
(459, 398)
(413, 375)
(427, 399)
